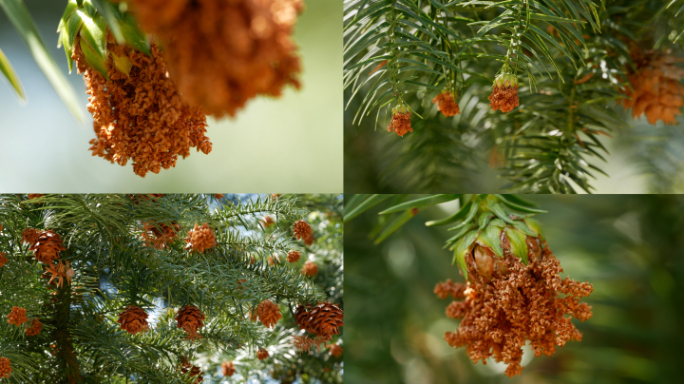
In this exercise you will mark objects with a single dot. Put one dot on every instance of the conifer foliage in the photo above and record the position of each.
(123, 308)
(534, 84)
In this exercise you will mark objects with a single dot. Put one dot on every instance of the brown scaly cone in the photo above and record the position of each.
(17, 316)
(223, 53)
(189, 319)
(3, 259)
(133, 320)
(5, 368)
(309, 269)
(35, 328)
(401, 121)
(309, 239)
(447, 104)
(336, 350)
(159, 235)
(269, 313)
(45, 245)
(140, 116)
(301, 229)
(200, 238)
(504, 95)
(267, 221)
(292, 256)
(655, 90)
(193, 370)
(323, 319)
(506, 303)
(262, 354)
(61, 273)
(228, 368)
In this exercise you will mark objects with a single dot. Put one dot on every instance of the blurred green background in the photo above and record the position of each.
(292, 144)
(631, 248)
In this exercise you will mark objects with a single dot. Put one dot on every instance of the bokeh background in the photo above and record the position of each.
(292, 144)
(629, 247)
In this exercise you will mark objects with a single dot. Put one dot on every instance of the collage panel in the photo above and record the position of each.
(514, 96)
(513, 289)
(177, 96)
(166, 288)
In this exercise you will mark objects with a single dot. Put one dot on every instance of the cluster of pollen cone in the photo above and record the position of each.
(654, 90)
(207, 58)
(507, 303)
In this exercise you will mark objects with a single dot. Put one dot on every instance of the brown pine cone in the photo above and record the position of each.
(190, 318)
(47, 247)
(194, 371)
(228, 368)
(293, 256)
(269, 313)
(30, 236)
(325, 319)
(310, 268)
(262, 354)
(17, 316)
(133, 320)
(35, 328)
(446, 104)
(5, 368)
(302, 229)
(3, 259)
(336, 350)
(302, 316)
(200, 238)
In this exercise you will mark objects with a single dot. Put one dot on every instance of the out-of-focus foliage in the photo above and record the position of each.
(630, 248)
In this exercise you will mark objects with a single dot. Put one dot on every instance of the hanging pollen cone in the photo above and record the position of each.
(309, 269)
(504, 95)
(655, 90)
(17, 316)
(200, 238)
(301, 229)
(336, 350)
(223, 53)
(446, 104)
(401, 121)
(5, 368)
(269, 313)
(159, 235)
(3, 259)
(189, 319)
(133, 320)
(293, 256)
(137, 111)
(35, 328)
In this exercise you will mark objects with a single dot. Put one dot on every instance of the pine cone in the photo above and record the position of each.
(336, 350)
(221, 54)
(262, 354)
(269, 313)
(200, 238)
(309, 239)
(446, 104)
(228, 368)
(302, 316)
(138, 114)
(190, 318)
(3, 259)
(30, 236)
(194, 371)
(302, 229)
(133, 320)
(17, 316)
(35, 328)
(47, 247)
(5, 368)
(310, 268)
(158, 235)
(325, 320)
(293, 256)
